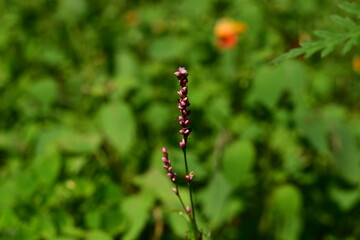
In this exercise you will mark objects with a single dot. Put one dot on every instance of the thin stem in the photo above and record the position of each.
(178, 194)
(193, 221)
(185, 159)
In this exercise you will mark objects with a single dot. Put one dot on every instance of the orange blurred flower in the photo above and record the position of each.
(356, 64)
(227, 31)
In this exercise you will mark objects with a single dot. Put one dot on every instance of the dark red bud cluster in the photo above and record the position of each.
(184, 120)
(167, 165)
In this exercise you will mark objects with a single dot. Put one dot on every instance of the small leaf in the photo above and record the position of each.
(323, 34)
(345, 22)
(351, 7)
(291, 54)
(350, 43)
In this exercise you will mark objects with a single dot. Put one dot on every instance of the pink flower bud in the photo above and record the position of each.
(184, 81)
(187, 122)
(182, 144)
(183, 71)
(190, 176)
(184, 90)
(187, 209)
(181, 94)
(165, 152)
(173, 178)
(185, 112)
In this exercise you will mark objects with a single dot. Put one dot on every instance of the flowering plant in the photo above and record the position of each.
(184, 121)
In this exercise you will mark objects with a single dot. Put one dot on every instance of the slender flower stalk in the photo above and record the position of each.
(185, 130)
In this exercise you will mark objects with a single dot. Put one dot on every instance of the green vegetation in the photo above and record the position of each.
(88, 98)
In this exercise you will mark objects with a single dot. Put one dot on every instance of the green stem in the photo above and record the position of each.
(192, 215)
(178, 195)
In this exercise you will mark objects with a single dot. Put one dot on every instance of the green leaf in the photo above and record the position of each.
(351, 7)
(150, 180)
(47, 167)
(98, 235)
(271, 82)
(76, 142)
(346, 152)
(286, 204)
(291, 54)
(323, 34)
(136, 209)
(117, 122)
(238, 161)
(330, 40)
(311, 126)
(345, 22)
(43, 91)
(216, 200)
(345, 198)
(178, 223)
(93, 219)
(8, 218)
(71, 10)
(350, 43)
(113, 221)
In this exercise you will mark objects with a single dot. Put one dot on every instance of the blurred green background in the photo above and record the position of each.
(88, 98)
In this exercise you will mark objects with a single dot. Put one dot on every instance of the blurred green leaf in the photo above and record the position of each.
(270, 83)
(168, 48)
(79, 142)
(71, 10)
(216, 198)
(238, 162)
(47, 167)
(312, 126)
(113, 221)
(136, 209)
(346, 153)
(43, 91)
(285, 212)
(178, 224)
(346, 199)
(98, 235)
(93, 219)
(117, 122)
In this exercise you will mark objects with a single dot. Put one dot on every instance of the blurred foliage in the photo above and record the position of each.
(88, 98)
(330, 39)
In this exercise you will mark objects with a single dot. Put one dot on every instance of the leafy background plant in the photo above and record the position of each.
(88, 98)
